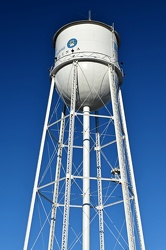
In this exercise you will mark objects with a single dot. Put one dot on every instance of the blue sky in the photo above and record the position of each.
(26, 54)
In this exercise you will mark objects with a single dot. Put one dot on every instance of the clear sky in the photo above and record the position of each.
(26, 54)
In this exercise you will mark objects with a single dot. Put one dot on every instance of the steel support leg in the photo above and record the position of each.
(56, 185)
(132, 179)
(99, 187)
(69, 161)
(38, 167)
(121, 157)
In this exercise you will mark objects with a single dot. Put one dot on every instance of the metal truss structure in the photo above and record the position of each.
(84, 194)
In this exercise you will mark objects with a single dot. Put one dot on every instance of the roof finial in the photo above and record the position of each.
(89, 15)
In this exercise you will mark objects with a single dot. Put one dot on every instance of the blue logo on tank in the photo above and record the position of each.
(72, 43)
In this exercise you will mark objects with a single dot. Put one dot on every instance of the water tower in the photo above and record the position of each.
(84, 194)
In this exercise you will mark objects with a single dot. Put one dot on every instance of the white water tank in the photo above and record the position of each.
(94, 45)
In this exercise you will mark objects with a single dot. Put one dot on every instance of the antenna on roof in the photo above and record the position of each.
(89, 15)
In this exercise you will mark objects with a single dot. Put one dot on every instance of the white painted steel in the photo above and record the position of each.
(87, 76)
(89, 37)
(69, 162)
(119, 138)
(99, 186)
(132, 178)
(94, 45)
(56, 185)
(93, 89)
(86, 180)
(26, 241)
